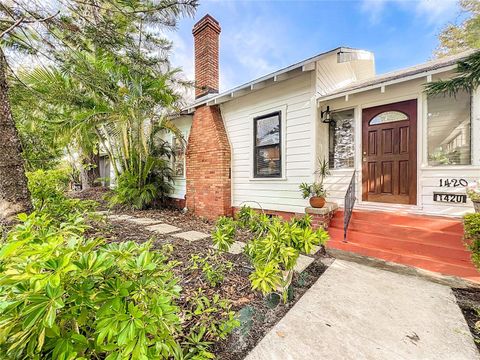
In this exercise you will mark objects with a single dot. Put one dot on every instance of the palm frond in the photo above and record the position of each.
(467, 78)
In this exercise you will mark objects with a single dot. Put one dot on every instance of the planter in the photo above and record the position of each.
(317, 202)
(476, 206)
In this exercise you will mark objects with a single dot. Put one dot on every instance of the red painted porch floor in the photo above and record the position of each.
(425, 242)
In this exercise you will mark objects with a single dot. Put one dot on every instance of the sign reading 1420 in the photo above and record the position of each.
(453, 182)
(449, 197)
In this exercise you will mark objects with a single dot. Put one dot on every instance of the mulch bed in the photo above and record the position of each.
(469, 301)
(257, 314)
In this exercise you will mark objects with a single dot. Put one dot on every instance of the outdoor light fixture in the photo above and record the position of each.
(325, 115)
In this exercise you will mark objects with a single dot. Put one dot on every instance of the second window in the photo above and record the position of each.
(267, 146)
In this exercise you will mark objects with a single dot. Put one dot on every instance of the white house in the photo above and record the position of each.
(256, 143)
(431, 145)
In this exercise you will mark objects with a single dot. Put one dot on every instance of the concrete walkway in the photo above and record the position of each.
(358, 312)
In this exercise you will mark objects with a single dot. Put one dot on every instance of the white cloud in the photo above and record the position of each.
(434, 12)
(374, 9)
(256, 48)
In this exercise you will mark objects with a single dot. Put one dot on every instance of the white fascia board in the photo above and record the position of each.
(385, 83)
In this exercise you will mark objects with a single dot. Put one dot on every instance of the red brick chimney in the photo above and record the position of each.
(208, 149)
(206, 35)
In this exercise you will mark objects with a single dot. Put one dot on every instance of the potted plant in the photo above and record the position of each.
(316, 191)
(473, 192)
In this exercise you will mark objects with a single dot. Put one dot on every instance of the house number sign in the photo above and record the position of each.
(453, 183)
(449, 197)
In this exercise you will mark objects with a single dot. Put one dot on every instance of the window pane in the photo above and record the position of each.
(178, 165)
(449, 129)
(268, 161)
(342, 140)
(387, 117)
(268, 131)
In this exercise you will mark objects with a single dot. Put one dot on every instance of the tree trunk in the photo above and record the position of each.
(90, 171)
(14, 194)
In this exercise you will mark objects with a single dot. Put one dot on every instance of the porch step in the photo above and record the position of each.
(401, 245)
(416, 221)
(448, 239)
(442, 267)
(430, 243)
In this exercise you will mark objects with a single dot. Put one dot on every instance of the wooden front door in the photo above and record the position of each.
(389, 153)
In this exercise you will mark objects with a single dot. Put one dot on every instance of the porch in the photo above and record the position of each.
(411, 157)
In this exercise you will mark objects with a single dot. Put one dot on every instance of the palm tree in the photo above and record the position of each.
(118, 26)
(115, 105)
(467, 78)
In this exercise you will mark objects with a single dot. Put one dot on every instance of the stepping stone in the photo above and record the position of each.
(162, 228)
(192, 235)
(236, 248)
(144, 221)
(302, 263)
(103, 212)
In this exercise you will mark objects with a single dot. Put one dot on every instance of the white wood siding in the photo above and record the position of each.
(295, 99)
(184, 123)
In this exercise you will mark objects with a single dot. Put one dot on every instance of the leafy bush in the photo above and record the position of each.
(275, 255)
(212, 317)
(213, 267)
(472, 236)
(247, 218)
(139, 189)
(48, 189)
(224, 234)
(275, 249)
(63, 296)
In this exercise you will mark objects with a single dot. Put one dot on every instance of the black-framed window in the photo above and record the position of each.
(267, 147)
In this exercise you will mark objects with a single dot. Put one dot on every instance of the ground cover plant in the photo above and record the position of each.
(67, 296)
(275, 248)
(255, 312)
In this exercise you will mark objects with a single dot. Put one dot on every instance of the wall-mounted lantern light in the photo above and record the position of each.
(325, 115)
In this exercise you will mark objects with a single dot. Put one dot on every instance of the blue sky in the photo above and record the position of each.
(259, 37)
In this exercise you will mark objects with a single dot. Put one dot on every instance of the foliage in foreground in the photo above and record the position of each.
(472, 236)
(275, 250)
(63, 296)
(48, 188)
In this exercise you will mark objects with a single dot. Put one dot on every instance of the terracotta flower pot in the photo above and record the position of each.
(317, 202)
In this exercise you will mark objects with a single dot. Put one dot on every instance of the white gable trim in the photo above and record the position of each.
(382, 85)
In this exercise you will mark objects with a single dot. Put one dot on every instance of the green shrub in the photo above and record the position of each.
(472, 236)
(224, 234)
(212, 266)
(48, 189)
(245, 216)
(139, 189)
(275, 250)
(63, 296)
